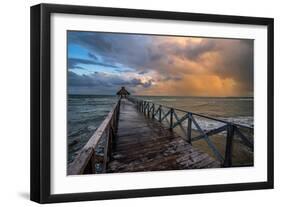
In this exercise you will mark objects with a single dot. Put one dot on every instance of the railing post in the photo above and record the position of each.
(114, 130)
(153, 107)
(115, 124)
(189, 123)
(171, 118)
(91, 166)
(117, 113)
(110, 140)
(229, 146)
(160, 112)
(93, 163)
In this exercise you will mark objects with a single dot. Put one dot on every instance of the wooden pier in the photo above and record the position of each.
(133, 138)
(143, 144)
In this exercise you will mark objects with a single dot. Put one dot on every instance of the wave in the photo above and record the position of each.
(201, 104)
(238, 99)
(242, 120)
(169, 99)
(207, 124)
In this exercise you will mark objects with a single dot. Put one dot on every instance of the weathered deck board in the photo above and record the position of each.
(143, 144)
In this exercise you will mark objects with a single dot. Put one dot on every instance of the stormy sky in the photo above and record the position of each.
(100, 63)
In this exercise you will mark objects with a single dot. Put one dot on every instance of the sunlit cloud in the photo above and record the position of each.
(160, 65)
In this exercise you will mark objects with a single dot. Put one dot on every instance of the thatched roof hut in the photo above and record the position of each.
(123, 92)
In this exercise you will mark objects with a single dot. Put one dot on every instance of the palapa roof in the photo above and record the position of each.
(123, 91)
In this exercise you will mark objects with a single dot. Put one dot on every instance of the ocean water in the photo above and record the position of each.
(86, 113)
(239, 110)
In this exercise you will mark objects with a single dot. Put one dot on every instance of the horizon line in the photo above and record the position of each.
(165, 95)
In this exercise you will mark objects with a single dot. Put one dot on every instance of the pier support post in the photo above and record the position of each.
(160, 112)
(171, 118)
(93, 163)
(91, 166)
(153, 107)
(110, 142)
(189, 123)
(229, 146)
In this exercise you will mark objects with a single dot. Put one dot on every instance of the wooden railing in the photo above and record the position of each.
(87, 160)
(170, 114)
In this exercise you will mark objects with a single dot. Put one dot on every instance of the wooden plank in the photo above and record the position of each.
(140, 130)
(138, 141)
(144, 141)
(150, 148)
(144, 144)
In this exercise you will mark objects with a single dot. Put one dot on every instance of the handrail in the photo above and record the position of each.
(231, 128)
(86, 160)
(194, 113)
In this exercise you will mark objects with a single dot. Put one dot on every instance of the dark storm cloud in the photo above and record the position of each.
(175, 78)
(91, 55)
(190, 50)
(81, 80)
(90, 39)
(238, 62)
(104, 82)
(171, 58)
(234, 59)
(75, 63)
(142, 72)
(136, 82)
(128, 50)
(194, 51)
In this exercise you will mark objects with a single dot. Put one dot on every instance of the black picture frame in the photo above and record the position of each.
(41, 96)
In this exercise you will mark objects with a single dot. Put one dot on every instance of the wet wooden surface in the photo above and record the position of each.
(144, 144)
